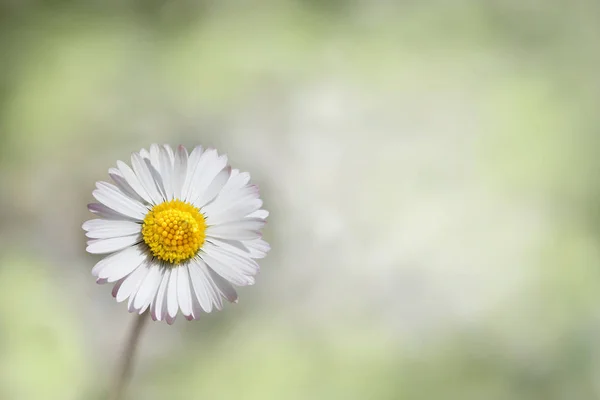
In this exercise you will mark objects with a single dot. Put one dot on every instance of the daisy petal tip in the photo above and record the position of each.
(154, 315)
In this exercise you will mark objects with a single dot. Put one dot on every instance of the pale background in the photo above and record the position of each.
(431, 168)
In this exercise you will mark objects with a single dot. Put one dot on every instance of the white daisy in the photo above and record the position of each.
(180, 231)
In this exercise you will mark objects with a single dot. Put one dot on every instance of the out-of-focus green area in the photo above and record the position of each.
(431, 170)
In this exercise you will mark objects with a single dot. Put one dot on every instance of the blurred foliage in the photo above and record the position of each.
(41, 351)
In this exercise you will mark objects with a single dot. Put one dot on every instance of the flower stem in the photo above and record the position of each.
(125, 368)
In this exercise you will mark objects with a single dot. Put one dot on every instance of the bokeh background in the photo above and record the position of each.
(431, 168)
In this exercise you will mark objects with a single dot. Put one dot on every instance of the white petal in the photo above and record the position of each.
(196, 304)
(203, 286)
(234, 198)
(209, 166)
(166, 171)
(235, 189)
(112, 197)
(103, 229)
(213, 290)
(131, 284)
(213, 188)
(108, 213)
(104, 246)
(232, 246)
(117, 286)
(183, 290)
(170, 152)
(124, 186)
(172, 304)
(236, 181)
(148, 289)
(192, 165)
(258, 248)
(238, 211)
(225, 288)
(133, 181)
(235, 195)
(180, 171)
(145, 176)
(253, 248)
(158, 181)
(155, 156)
(199, 160)
(158, 306)
(262, 214)
(165, 312)
(245, 229)
(242, 263)
(231, 273)
(118, 265)
(201, 291)
(144, 153)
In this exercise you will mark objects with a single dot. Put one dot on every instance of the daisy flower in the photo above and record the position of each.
(179, 230)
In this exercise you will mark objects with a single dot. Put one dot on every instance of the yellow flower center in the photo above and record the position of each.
(174, 231)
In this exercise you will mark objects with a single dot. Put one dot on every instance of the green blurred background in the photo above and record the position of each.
(431, 168)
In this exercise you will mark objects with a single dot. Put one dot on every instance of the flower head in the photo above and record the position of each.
(180, 231)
